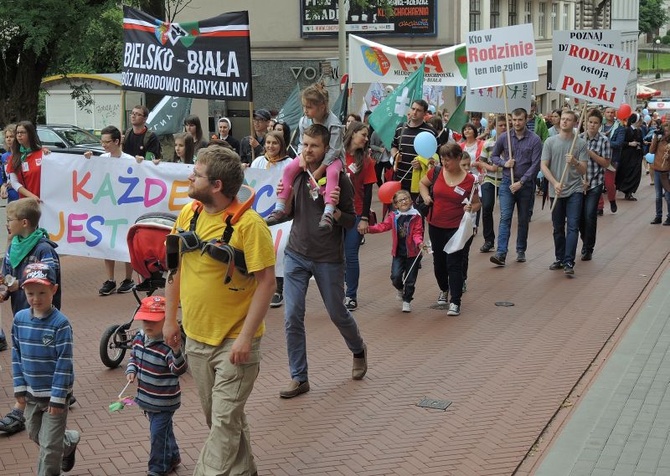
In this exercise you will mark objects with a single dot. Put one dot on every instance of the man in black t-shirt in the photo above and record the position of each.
(140, 142)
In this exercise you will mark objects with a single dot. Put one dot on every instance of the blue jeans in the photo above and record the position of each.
(565, 243)
(164, 450)
(403, 267)
(660, 193)
(522, 199)
(488, 203)
(329, 279)
(588, 223)
(352, 243)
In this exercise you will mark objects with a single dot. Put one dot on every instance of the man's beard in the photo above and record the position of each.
(201, 196)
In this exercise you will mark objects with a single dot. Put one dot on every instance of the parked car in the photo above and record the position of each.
(68, 139)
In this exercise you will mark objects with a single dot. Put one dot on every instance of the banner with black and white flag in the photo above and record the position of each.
(208, 59)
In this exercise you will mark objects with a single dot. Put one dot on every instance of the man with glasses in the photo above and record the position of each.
(110, 138)
(139, 141)
(223, 320)
(254, 145)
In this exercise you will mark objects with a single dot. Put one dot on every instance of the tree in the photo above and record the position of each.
(652, 16)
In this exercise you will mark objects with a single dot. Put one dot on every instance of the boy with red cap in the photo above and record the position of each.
(156, 366)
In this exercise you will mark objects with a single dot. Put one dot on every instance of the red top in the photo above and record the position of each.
(366, 176)
(448, 201)
(30, 173)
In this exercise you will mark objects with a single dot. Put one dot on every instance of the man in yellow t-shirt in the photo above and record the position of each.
(223, 321)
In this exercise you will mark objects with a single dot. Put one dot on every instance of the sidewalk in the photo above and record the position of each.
(622, 424)
(505, 370)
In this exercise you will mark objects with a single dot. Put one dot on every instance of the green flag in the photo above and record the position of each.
(291, 111)
(458, 118)
(168, 115)
(392, 111)
(340, 106)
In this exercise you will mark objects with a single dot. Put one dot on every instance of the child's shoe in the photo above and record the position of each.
(406, 307)
(326, 222)
(276, 217)
(13, 422)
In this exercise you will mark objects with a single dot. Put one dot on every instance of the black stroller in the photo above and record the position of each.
(146, 243)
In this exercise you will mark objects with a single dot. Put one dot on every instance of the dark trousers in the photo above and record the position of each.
(448, 268)
(567, 209)
(488, 203)
(405, 268)
(164, 450)
(588, 222)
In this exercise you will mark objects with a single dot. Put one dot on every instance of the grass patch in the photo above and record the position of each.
(648, 64)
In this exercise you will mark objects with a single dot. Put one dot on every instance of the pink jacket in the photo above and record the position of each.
(414, 237)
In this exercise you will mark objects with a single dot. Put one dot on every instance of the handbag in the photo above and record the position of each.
(419, 203)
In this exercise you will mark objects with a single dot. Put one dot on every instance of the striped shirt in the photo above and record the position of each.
(600, 144)
(403, 140)
(42, 362)
(157, 369)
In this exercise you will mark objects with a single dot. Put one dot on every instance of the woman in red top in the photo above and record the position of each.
(25, 168)
(361, 170)
(452, 186)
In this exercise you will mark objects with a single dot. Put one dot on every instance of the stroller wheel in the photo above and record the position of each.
(113, 346)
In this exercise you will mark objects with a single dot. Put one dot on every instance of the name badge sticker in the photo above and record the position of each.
(459, 190)
(25, 167)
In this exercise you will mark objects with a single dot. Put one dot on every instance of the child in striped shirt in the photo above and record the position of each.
(156, 366)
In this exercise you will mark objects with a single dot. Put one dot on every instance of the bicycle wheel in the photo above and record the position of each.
(113, 346)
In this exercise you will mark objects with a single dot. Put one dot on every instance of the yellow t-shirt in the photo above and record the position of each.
(212, 310)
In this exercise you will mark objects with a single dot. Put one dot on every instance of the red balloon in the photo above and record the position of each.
(387, 190)
(624, 112)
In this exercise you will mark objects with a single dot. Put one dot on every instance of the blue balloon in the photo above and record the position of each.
(645, 112)
(484, 123)
(493, 132)
(647, 118)
(649, 158)
(425, 144)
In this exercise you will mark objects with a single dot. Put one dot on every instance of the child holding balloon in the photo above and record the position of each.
(406, 225)
(315, 106)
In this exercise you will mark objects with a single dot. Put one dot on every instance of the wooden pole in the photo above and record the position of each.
(251, 129)
(509, 136)
(572, 147)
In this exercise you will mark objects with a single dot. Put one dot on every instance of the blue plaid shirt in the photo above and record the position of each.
(600, 144)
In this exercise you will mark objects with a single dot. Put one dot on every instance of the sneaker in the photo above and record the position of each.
(521, 257)
(360, 366)
(556, 265)
(12, 423)
(350, 304)
(454, 310)
(126, 286)
(568, 269)
(465, 286)
(486, 247)
(656, 221)
(406, 307)
(3, 343)
(294, 389)
(174, 465)
(587, 256)
(277, 300)
(326, 222)
(498, 259)
(68, 461)
(398, 294)
(276, 217)
(666, 222)
(108, 287)
(72, 401)
(613, 207)
(442, 299)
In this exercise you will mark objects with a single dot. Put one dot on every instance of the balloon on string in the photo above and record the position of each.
(484, 123)
(624, 112)
(425, 144)
(649, 158)
(387, 190)
(493, 133)
(647, 118)
(645, 112)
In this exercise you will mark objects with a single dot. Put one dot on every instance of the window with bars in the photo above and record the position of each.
(528, 12)
(542, 20)
(554, 17)
(495, 13)
(566, 17)
(512, 13)
(475, 15)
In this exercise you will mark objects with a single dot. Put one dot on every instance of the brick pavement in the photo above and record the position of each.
(505, 370)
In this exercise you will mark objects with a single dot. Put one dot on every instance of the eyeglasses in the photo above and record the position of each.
(197, 176)
(402, 200)
(105, 142)
(19, 133)
(9, 220)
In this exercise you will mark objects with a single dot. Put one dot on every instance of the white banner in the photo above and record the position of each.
(595, 74)
(371, 62)
(605, 38)
(509, 49)
(492, 99)
(89, 204)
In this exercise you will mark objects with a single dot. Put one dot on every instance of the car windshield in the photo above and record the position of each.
(77, 136)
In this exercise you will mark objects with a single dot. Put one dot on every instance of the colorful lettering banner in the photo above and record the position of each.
(509, 50)
(371, 62)
(209, 59)
(595, 74)
(89, 204)
(492, 99)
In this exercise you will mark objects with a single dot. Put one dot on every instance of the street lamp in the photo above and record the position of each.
(656, 47)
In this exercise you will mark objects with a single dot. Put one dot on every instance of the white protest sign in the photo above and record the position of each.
(595, 74)
(510, 49)
(605, 38)
(89, 204)
(492, 99)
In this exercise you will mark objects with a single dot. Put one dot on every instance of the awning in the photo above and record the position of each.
(645, 92)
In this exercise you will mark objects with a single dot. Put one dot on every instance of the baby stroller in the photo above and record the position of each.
(146, 243)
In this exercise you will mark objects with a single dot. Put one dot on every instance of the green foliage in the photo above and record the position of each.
(652, 16)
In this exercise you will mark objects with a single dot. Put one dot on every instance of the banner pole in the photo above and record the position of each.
(509, 136)
(251, 129)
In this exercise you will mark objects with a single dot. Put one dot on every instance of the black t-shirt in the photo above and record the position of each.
(133, 144)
